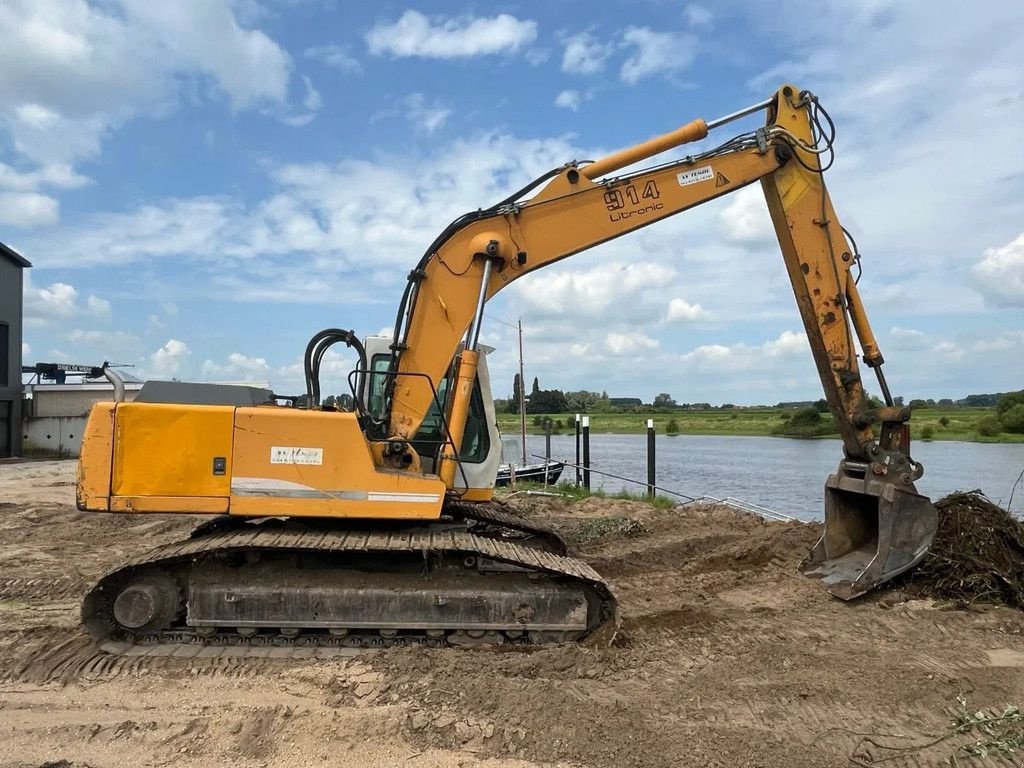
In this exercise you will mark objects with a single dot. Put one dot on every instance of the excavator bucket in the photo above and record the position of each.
(875, 529)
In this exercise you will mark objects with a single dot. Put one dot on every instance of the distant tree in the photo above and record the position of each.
(1008, 401)
(981, 401)
(1012, 419)
(930, 403)
(547, 401)
(917, 403)
(898, 401)
(664, 400)
(517, 390)
(582, 401)
(536, 386)
(330, 401)
(821, 406)
(946, 402)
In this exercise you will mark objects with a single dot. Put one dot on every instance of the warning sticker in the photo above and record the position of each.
(290, 455)
(685, 178)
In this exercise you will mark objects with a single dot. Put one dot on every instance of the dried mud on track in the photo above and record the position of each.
(726, 657)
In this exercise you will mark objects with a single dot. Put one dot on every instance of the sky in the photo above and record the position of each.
(202, 185)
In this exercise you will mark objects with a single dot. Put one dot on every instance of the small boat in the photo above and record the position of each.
(525, 472)
(542, 472)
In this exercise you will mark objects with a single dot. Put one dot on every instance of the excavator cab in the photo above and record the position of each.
(875, 529)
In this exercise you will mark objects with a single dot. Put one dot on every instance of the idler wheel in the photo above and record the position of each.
(147, 603)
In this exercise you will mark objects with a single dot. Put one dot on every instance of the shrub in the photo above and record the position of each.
(989, 427)
(806, 422)
(672, 427)
(1012, 419)
(1008, 401)
(927, 433)
(944, 421)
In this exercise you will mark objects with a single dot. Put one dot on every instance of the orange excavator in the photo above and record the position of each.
(377, 525)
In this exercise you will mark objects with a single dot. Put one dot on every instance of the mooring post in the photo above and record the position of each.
(650, 458)
(547, 448)
(578, 450)
(585, 421)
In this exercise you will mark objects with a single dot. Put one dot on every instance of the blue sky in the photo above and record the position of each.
(203, 185)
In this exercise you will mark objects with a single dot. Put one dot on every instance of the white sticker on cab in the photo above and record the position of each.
(697, 174)
(291, 455)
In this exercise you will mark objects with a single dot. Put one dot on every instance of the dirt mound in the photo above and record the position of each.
(977, 555)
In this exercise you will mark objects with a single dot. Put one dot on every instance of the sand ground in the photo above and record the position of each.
(726, 657)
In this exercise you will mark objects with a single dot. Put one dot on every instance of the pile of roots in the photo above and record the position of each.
(977, 555)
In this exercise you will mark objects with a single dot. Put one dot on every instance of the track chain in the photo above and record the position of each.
(258, 537)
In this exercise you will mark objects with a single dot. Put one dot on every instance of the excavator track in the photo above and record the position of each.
(312, 588)
(495, 519)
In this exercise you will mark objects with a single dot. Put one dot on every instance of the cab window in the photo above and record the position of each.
(476, 438)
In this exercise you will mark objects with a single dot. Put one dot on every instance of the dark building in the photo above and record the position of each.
(12, 267)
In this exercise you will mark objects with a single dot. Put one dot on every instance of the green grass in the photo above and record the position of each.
(570, 492)
(962, 423)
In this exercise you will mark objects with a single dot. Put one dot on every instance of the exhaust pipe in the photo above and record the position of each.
(875, 529)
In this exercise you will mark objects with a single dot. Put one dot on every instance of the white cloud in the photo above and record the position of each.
(43, 305)
(338, 217)
(57, 175)
(28, 209)
(99, 307)
(25, 349)
(167, 361)
(425, 117)
(584, 54)
(656, 53)
(1000, 274)
(718, 358)
(312, 101)
(205, 34)
(237, 367)
(620, 344)
(907, 339)
(572, 99)
(612, 289)
(745, 219)
(336, 56)
(445, 37)
(114, 344)
(698, 16)
(73, 71)
(682, 310)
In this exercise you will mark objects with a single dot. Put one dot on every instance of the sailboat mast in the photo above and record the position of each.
(522, 398)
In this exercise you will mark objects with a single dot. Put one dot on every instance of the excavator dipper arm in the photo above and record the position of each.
(876, 523)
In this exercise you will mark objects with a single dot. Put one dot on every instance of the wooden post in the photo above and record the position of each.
(585, 421)
(578, 478)
(650, 458)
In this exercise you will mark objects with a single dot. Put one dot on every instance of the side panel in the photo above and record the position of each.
(172, 450)
(318, 464)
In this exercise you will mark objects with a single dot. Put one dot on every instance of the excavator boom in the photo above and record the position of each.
(877, 525)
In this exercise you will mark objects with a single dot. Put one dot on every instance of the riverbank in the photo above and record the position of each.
(927, 424)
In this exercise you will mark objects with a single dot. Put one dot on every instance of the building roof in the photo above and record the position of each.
(14, 256)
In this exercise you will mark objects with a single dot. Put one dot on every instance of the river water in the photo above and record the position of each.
(785, 475)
